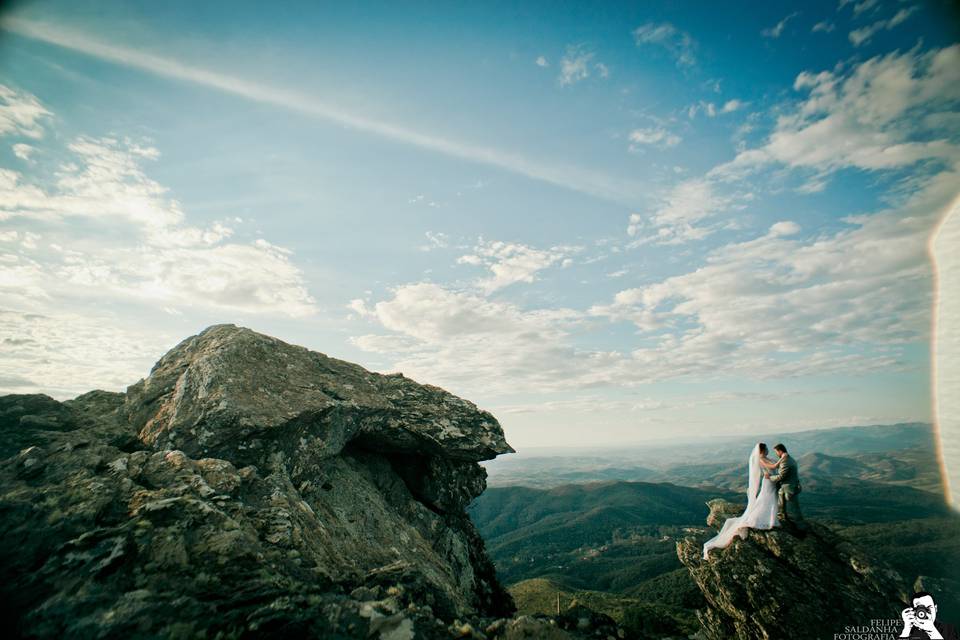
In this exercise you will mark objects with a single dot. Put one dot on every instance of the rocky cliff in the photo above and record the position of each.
(787, 584)
(246, 487)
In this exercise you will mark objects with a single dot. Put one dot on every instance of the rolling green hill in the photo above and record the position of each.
(602, 536)
(612, 545)
(596, 507)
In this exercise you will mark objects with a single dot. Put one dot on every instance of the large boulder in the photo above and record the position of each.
(228, 390)
(246, 487)
(788, 583)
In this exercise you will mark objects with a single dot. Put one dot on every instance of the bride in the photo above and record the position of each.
(761, 511)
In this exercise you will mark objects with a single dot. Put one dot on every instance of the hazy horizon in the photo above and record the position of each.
(668, 441)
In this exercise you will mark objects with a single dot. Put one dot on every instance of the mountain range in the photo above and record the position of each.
(614, 541)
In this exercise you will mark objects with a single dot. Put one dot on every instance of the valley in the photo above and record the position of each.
(609, 540)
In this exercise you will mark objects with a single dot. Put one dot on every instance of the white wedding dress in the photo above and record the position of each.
(761, 511)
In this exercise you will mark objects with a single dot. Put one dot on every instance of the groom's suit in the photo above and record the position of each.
(787, 478)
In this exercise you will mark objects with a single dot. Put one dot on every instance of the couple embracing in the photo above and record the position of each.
(772, 497)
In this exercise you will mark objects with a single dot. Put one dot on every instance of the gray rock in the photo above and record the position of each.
(721, 510)
(231, 392)
(27, 419)
(247, 486)
(809, 583)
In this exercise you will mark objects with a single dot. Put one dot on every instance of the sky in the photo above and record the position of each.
(605, 222)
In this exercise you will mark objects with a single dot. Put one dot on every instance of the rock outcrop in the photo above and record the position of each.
(246, 487)
(784, 583)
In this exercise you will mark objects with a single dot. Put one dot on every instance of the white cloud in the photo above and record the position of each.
(375, 343)
(733, 105)
(708, 108)
(29, 240)
(875, 116)
(103, 181)
(131, 241)
(421, 199)
(655, 136)
(21, 113)
(823, 27)
(542, 62)
(776, 30)
(435, 240)
(585, 404)
(359, 307)
(779, 305)
(711, 110)
(814, 184)
(678, 43)
(465, 341)
(574, 66)
(511, 263)
(23, 151)
(682, 209)
(577, 64)
(591, 404)
(776, 306)
(863, 34)
(690, 201)
(567, 176)
(236, 277)
(866, 285)
(62, 354)
(865, 5)
(784, 228)
(784, 305)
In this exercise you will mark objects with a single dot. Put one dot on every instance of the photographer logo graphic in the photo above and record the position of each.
(920, 620)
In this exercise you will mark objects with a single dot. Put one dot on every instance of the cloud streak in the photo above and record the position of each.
(571, 177)
(678, 43)
(776, 30)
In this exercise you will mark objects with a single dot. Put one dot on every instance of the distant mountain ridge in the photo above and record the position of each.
(695, 463)
(884, 436)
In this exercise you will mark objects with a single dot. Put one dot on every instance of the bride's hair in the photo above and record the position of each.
(762, 446)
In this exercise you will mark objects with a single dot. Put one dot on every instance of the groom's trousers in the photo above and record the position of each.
(789, 506)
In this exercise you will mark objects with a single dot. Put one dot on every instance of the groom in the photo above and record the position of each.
(788, 482)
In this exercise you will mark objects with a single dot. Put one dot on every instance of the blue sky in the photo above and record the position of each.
(603, 222)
